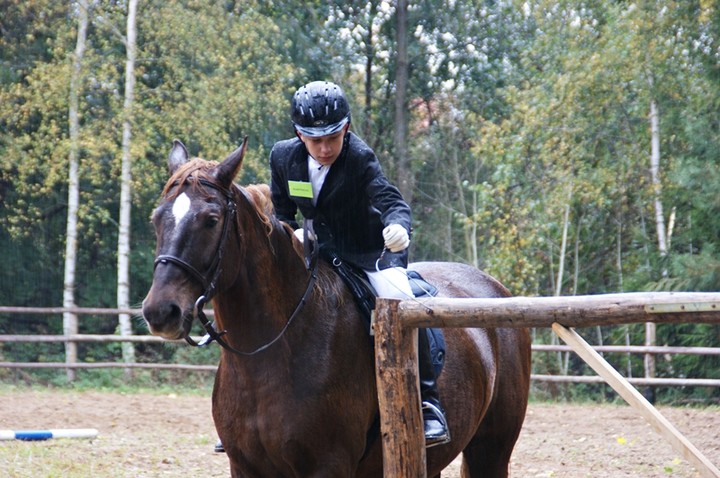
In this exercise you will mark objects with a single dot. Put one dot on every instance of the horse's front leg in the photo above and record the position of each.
(322, 460)
(345, 472)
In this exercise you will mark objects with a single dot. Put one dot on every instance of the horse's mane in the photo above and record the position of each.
(260, 199)
(194, 169)
(258, 195)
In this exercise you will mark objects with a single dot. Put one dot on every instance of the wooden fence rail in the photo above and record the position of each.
(72, 310)
(71, 363)
(4, 309)
(396, 323)
(102, 338)
(98, 338)
(571, 311)
(99, 365)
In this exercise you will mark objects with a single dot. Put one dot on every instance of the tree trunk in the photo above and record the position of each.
(655, 176)
(563, 247)
(70, 322)
(576, 257)
(404, 171)
(369, 57)
(650, 328)
(454, 173)
(618, 249)
(563, 357)
(123, 290)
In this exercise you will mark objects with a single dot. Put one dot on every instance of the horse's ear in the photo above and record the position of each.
(229, 168)
(178, 156)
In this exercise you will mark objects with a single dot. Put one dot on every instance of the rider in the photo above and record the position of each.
(335, 180)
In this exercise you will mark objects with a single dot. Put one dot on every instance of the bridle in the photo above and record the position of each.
(210, 277)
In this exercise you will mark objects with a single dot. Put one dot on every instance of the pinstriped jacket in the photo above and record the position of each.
(355, 203)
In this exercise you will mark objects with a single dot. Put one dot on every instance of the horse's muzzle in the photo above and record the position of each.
(166, 318)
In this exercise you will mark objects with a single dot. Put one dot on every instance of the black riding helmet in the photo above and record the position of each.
(319, 109)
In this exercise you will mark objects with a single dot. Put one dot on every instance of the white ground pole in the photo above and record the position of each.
(34, 435)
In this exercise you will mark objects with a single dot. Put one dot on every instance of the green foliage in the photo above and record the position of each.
(529, 123)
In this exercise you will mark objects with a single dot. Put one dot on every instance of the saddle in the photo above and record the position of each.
(365, 295)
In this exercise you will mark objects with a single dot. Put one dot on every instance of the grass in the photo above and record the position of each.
(115, 380)
(102, 457)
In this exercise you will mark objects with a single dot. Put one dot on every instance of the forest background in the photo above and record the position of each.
(566, 147)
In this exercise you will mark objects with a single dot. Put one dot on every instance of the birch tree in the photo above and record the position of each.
(70, 322)
(123, 285)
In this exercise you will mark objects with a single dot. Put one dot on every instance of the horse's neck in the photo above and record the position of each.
(271, 280)
(320, 348)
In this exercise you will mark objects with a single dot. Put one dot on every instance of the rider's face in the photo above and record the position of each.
(325, 149)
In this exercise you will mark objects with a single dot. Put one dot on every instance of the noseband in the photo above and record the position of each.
(209, 280)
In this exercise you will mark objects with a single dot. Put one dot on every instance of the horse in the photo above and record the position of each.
(295, 392)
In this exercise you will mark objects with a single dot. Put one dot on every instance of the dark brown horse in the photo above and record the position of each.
(297, 396)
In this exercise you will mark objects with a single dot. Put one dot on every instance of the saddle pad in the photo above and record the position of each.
(420, 287)
(364, 295)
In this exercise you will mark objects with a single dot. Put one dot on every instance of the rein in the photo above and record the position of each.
(214, 271)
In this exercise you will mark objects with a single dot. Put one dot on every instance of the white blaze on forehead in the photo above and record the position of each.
(180, 207)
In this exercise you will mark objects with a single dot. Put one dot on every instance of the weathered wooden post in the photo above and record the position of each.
(396, 324)
(401, 424)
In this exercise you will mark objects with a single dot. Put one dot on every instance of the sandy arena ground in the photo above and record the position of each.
(146, 435)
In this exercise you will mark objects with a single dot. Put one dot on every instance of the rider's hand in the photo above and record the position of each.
(300, 234)
(396, 238)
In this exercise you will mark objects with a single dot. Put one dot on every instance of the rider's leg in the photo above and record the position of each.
(390, 283)
(436, 429)
(393, 283)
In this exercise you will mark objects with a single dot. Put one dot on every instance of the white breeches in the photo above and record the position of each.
(391, 283)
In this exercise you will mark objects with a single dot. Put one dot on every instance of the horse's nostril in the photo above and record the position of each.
(175, 312)
(161, 315)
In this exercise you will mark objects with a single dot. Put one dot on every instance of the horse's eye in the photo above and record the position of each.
(211, 221)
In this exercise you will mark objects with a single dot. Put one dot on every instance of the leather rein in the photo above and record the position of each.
(209, 282)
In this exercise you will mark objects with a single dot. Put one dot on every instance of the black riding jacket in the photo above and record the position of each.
(355, 204)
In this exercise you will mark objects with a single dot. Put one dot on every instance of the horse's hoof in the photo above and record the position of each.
(219, 448)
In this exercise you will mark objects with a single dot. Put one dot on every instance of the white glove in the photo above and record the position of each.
(300, 234)
(396, 238)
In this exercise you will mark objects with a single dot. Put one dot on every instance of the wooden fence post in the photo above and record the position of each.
(401, 425)
(396, 324)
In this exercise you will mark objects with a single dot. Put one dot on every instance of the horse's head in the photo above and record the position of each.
(192, 223)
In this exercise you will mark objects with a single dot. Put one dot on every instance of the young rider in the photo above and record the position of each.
(335, 180)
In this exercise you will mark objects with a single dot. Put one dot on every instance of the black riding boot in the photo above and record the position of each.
(436, 429)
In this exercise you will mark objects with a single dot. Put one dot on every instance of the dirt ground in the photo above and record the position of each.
(146, 435)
